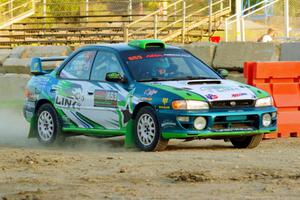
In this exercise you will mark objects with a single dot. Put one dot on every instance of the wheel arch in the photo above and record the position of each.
(40, 103)
(139, 106)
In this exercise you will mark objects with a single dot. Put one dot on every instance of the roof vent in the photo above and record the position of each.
(144, 44)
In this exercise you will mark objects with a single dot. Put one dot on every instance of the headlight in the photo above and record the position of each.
(268, 101)
(189, 105)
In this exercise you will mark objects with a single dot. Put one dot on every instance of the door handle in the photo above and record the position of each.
(53, 90)
(90, 92)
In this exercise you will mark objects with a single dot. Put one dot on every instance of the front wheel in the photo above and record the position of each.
(147, 132)
(48, 126)
(247, 142)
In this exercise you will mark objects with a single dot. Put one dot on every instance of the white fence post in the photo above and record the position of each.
(238, 11)
(45, 8)
(286, 19)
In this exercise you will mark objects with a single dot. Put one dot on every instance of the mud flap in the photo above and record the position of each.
(129, 139)
(32, 131)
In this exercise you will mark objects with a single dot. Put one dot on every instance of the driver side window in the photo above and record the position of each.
(105, 62)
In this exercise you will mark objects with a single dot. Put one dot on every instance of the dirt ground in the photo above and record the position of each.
(90, 168)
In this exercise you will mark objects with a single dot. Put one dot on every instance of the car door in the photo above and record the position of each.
(73, 95)
(112, 102)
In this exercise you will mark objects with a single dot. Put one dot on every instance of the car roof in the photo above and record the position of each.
(122, 47)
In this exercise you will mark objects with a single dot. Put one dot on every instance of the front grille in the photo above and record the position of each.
(223, 123)
(232, 104)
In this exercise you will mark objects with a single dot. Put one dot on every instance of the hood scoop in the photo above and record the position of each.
(203, 82)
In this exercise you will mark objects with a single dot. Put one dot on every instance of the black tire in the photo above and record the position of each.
(57, 136)
(247, 142)
(157, 143)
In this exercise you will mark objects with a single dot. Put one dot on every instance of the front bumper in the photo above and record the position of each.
(250, 123)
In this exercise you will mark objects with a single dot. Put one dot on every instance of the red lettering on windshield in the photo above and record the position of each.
(153, 55)
(135, 58)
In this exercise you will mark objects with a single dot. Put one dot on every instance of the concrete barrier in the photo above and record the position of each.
(12, 87)
(290, 51)
(203, 50)
(20, 57)
(4, 53)
(236, 76)
(232, 55)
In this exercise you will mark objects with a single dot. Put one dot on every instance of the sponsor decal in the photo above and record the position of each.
(233, 129)
(154, 55)
(67, 102)
(131, 58)
(168, 123)
(164, 107)
(239, 94)
(146, 99)
(105, 98)
(73, 97)
(139, 57)
(211, 96)
(150, 92)
(164, 101)
(219, 89)
(177, 55)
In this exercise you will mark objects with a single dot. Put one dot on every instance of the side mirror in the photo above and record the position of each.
(223, 72)
(114, 77)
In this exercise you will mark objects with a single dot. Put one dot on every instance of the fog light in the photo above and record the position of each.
(183, 119)
(200, 123)
(266, 120)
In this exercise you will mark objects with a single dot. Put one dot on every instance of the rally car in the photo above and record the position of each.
(146, 90)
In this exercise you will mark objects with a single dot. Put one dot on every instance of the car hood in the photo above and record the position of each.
(213, 89)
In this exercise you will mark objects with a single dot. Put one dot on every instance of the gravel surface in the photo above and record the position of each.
(90, 168)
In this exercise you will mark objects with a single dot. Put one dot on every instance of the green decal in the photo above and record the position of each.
(89, 121)
(188, 95)
(170, 135)
(258, 92)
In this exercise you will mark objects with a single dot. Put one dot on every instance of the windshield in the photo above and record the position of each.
(166, 65)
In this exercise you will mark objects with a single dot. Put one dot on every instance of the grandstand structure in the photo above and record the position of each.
(77, 22)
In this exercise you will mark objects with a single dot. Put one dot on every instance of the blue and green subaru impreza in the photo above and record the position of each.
(146, 90)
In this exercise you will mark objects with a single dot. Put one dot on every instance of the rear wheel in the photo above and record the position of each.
(147, 132)
(48, 126)
(247, 142)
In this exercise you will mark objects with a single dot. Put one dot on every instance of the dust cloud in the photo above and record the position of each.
(14, 131)
(13, 127)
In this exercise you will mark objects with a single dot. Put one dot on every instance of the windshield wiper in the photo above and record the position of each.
(152, 79)
(175, 79)
(199, 77)
(190, 78)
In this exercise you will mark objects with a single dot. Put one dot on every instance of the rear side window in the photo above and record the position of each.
(79, 67)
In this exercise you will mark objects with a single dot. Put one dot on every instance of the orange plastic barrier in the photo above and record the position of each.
(282, 81)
